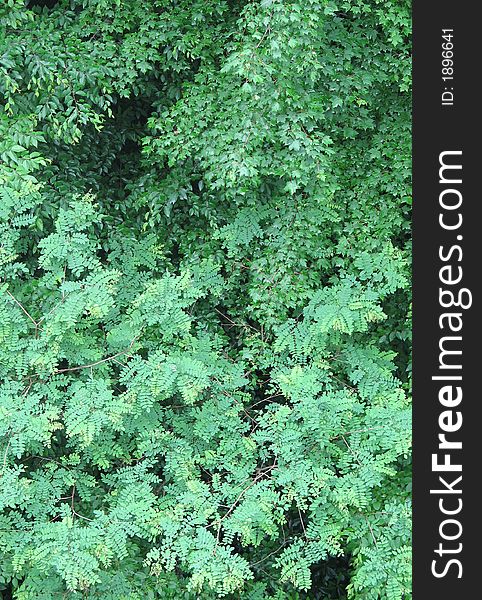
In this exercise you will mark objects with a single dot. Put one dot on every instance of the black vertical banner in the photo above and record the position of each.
(447, 242)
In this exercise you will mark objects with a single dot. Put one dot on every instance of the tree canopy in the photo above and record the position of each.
(205, 299)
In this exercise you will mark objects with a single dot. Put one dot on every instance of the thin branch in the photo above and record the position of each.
(52, 309)
(269, 555)
(259, 476)
(81, 516)
(23, 309)
(267, 399)
(27, 389)
(371, 531)
(352, 452)
(98, 362)
(74, 512)
(359, 431)
(302, 523)
(5, 455)
(245, 325)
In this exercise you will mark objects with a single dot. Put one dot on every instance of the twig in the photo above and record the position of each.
(359, 431)
(302, 523)
(267, 399)
(98, 362)
(236, 502)
(5, 455)
(245, 325)
(268, 555)
(352, 452)
(371, 531)
(24, 310)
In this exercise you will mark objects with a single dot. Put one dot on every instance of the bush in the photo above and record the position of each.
(204, 281)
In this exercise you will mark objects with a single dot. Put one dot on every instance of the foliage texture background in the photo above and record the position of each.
(204, 299)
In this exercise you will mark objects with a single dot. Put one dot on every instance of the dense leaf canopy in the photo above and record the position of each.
(204, 299)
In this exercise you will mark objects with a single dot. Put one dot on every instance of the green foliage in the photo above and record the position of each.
(204, 299)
